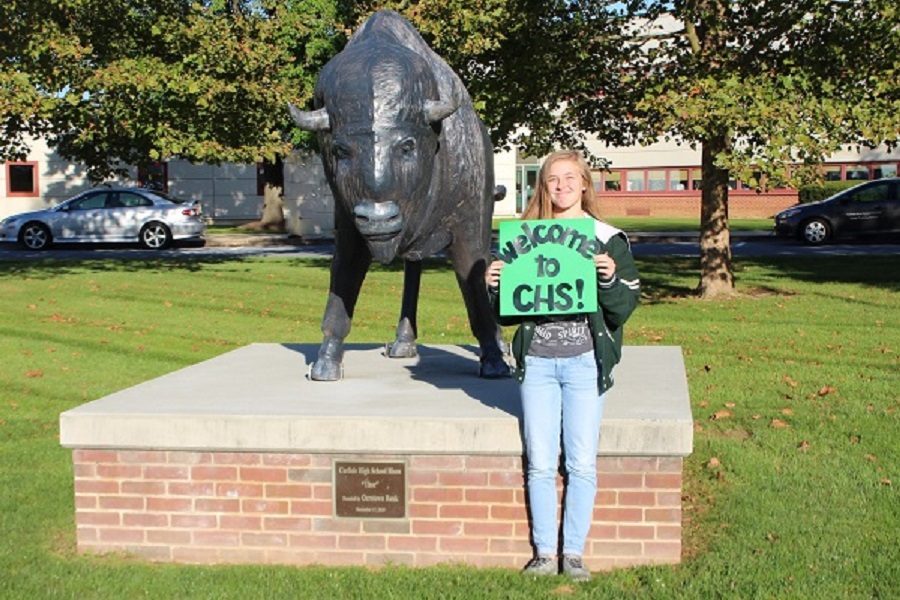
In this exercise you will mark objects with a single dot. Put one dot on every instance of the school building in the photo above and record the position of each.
(661, 180)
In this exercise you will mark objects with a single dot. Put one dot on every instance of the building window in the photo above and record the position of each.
(634, 181)
(833, 173)
(881, 171)
(857, 172)
(678, 181)
(154, 176)
(696, 179)
(656, 181)
(612, 182)
(22, 179)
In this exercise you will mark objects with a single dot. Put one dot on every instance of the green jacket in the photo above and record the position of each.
(616, 300)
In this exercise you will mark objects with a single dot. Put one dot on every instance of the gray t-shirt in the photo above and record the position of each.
(561, 339)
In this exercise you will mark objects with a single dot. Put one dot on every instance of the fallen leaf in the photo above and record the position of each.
(803, 446)
(713, 463)
(167, 304)
(787, 379)
(779, 424)
(871, 457)
(729, 404)
(825, 390)
(703, 404)
(720, 414)
(787, 411)
(772, 537)
(885, 481)
(854, 439)
(563, 590)
(756, 417)
(698, 427)
(34, 373)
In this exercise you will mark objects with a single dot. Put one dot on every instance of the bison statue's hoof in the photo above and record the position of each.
(326, 370)
(494, 369)
(400, 349)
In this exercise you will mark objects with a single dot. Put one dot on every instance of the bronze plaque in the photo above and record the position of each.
(372, 490)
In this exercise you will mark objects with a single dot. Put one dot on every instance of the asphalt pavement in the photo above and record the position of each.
(224, 246)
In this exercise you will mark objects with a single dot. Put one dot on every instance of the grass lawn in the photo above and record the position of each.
(793, 489)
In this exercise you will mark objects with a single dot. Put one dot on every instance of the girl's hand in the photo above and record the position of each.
(492, 275)
(606, 266)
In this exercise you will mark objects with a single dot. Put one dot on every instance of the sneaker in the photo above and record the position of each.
(540, 565)
(574, 568)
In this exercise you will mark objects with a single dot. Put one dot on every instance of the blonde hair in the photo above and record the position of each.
(540, 205)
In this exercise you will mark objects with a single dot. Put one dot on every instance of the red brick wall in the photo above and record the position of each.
(740, 204)
(210, 507)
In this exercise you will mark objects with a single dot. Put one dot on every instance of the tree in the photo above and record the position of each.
(33, 59)
(764, 87)
(521, 59)
(131, 82)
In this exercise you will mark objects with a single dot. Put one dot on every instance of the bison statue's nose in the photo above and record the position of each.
(378, 219)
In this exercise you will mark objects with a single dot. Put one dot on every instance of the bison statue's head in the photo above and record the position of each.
(378, 121)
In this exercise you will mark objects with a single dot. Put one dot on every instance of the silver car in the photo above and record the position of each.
(150, 218)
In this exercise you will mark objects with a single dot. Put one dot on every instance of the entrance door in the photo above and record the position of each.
(526, 182)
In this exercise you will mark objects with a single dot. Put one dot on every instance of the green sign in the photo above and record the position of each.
(549, 267)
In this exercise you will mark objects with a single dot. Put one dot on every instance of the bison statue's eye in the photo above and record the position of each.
(407, 147)
(340, 151)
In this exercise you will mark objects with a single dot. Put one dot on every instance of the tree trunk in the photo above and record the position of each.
(273, 197)
(716, 274)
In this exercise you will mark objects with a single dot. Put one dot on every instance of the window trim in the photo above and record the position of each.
(35, 179)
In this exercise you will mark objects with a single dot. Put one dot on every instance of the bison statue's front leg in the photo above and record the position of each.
(404, 345)
(348, 270)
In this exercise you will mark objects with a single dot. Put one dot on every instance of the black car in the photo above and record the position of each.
(872, 207)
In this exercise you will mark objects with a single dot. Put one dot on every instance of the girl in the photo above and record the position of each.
(564, 366)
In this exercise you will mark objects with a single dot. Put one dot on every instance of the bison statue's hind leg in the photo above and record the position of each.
(404, 345)
(470, 276)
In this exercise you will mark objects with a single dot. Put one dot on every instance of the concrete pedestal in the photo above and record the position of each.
(233, 460)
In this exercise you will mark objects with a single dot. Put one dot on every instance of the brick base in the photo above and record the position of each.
(252, 507)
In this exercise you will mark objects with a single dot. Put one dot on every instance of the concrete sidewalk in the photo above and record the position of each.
(284, 239)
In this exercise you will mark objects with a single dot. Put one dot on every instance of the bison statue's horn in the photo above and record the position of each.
(438, 110)
(316, 120)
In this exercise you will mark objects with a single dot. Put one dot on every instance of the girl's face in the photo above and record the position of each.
(565, 185)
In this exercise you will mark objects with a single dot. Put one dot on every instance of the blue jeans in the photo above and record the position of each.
(560, 401)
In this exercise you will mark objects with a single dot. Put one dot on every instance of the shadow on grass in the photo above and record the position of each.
(47, 265)
(662, 278)
(668, 279)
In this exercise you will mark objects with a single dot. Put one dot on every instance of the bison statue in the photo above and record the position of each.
(410, 167)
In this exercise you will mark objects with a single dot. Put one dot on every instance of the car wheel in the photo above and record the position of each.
(816, 231)
(155, 236)
(35, 236)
